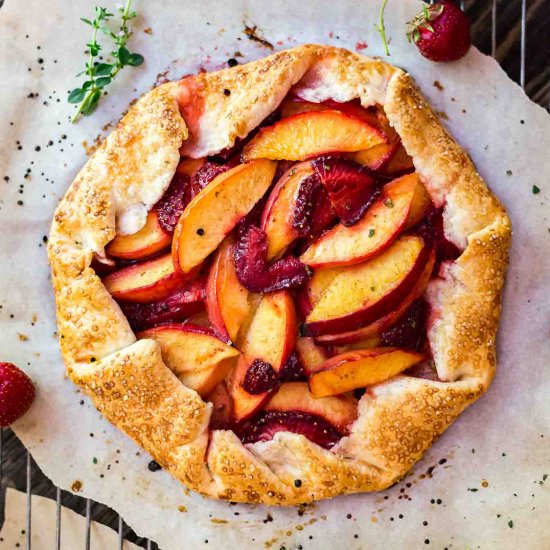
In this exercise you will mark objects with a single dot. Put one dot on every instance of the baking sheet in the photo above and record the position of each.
(482, 485)
(73, 526)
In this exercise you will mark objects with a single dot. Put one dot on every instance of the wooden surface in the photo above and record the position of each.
(507, 50)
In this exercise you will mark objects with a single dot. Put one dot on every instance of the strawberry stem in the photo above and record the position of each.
(382, 27)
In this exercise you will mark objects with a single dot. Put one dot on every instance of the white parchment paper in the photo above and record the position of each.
(483, 485)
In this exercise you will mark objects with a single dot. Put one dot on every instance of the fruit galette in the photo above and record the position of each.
(281, 279)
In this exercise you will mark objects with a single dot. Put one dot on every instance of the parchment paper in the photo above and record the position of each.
(73, 526)
(482, 485)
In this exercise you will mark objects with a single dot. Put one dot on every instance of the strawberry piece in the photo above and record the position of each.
(313, 212)
(293, 370)
(351, 187)
(259, 378)
(174, 201)
(431, 230)
(206, 173)
(16, 393)
(253, 271)
(176, 307)
(410, 330)
(441, 32)
(268, 423)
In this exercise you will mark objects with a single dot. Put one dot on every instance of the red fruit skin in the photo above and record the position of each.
(451, 38)
(16, 393)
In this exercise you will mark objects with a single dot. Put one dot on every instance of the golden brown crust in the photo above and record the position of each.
(128, 381)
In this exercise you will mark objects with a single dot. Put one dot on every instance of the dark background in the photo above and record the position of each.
(496, 30)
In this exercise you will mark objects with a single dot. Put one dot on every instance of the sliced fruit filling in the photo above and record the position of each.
(284, 276)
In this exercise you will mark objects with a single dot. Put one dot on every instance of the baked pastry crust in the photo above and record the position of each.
(127, 379)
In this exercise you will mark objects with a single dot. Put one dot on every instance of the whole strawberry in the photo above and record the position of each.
(16, 393)
(441, 32)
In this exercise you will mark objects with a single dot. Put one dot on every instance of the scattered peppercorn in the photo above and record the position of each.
(154, 466)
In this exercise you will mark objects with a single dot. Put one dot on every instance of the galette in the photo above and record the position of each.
(281, 279)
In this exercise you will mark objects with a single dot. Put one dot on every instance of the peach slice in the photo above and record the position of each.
(360, 369)
(193, 354)
(363, 293)
(340, 411)
(421, 203)
(293, 105)
(149, 240)
(189, 167)
(378, 228)
(222, 411)
(145, 281)
(308, 135)
(376, 157)
(310, 354)
(373, 330)
(278, 215)
(400, 162)
(374, 342)
(217, 209)
(270, 338)
(227, 301)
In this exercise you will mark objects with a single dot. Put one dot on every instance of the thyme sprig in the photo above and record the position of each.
(100, 75)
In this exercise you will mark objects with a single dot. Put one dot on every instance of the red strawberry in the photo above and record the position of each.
(351, 187)
(16, 393)
(441, 32)
(268, 423)
(252, 268)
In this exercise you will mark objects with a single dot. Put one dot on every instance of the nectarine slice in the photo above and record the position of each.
(193, 354)
(217, 209)
(310, 354)
(307, 135)
(145, 281)
(363, 293)
(381, 224)
(228, 303)
(222, 410)
(340, 411)
(376, 157)
(271, 337)
(360, 369)
(293, 105)
(149, 240)
(373, 330)
(399, 163)
(278, 215)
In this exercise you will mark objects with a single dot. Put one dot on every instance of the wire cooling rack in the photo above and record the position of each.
(515, 32)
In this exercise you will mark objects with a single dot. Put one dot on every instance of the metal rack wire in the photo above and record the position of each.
(486, 17)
